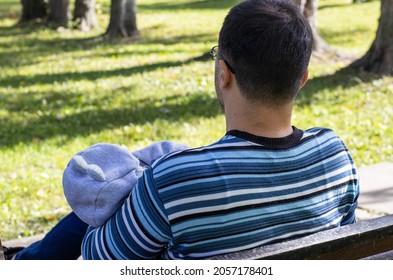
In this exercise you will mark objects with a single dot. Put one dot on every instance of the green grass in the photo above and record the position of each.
(347, 26)
(61, 92)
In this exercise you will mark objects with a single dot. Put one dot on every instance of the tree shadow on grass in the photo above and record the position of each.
(50, 124)
(177, 109)
(36, 50)
(20, 80)
(335, 5)
(29, 50)
(194, 5)
(344, 78)
(343, 36)
(21, 28)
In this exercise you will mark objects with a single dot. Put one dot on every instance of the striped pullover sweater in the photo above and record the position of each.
(238, 193)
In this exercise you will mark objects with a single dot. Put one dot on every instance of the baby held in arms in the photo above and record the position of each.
(98, 179)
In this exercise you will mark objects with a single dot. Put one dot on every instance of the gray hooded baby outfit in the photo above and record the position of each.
(98, 179)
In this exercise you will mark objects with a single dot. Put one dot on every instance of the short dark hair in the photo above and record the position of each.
(269, 44)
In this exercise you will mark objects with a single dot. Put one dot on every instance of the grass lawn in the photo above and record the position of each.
(61, 92)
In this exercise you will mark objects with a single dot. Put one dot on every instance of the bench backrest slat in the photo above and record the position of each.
(355, 241)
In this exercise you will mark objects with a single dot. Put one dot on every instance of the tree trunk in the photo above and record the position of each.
(310, 9)
(85, 14)
(59, 12)
(33, 9)
(122, 19)
(379, 58)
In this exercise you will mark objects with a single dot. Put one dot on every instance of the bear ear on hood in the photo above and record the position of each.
(92, 170)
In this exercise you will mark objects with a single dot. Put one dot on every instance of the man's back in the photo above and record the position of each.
(238, 193)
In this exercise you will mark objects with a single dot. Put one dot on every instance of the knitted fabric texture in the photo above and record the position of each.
(98, 179)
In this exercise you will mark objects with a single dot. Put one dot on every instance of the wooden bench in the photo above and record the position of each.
(369, 239)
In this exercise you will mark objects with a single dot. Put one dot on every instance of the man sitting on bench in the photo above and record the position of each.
(264, 181)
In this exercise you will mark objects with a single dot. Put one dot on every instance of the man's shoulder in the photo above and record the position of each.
(325, 138)
(320, 132)
(189, 152)
(191, 155)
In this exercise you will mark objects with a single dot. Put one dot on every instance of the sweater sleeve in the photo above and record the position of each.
(138, 230)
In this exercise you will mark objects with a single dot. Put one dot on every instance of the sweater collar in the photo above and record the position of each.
(273, 143)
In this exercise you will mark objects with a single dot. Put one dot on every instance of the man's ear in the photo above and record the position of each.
(304, 79)
(225, 75)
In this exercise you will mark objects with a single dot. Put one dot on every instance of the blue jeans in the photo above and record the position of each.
(63, 242)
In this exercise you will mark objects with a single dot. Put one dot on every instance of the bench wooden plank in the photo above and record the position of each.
(356, 241)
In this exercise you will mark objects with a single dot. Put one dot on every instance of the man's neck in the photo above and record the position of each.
(260, 120)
